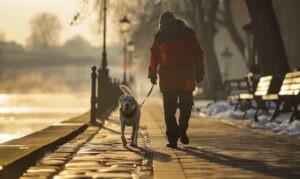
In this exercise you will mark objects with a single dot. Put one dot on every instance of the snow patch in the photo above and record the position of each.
(281, 125)
(219, 110)
(223, 110)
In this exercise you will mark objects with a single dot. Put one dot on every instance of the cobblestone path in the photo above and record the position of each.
(216, 150)
(96, 154)
(219, 150)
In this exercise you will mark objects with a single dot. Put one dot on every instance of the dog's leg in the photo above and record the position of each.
(133, 142)
(135, 131)
(123, 133)
(137, 128)
(136, 134)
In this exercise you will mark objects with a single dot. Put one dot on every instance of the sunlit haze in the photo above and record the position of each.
(15, 16)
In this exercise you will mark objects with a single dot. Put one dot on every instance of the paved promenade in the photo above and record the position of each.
(216, 150)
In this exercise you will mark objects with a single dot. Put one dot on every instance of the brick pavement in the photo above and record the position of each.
(219, 150)
(96, 154)
(216, 150)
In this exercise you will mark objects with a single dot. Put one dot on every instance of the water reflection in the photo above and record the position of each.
(23, 114)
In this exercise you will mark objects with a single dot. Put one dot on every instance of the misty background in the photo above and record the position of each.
(45, 63)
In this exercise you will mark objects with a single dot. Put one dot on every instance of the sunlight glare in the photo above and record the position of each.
(7, 137)
(4, 98)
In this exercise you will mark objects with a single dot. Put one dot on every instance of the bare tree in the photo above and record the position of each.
(228, 22)
(201, 14)
(270, 48)
(2, 37)
(45, 30)
(146, 25)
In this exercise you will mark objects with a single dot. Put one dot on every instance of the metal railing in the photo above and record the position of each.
(104, 93)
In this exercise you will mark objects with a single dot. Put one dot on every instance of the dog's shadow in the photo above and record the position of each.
(150, 154)
(144, 152)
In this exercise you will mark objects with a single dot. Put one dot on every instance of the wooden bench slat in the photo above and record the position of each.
(246, 96)
(270, 97)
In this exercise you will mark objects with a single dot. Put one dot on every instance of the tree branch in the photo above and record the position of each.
(222, 13)
(234, 34)
(221, 22)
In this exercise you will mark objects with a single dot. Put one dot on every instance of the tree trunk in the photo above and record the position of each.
(231, 27)
(202, 16)
(212, 70)
(268, 41)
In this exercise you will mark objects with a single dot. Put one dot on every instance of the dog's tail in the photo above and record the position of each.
(126, 90)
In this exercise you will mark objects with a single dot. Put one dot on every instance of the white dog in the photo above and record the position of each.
(130, 113)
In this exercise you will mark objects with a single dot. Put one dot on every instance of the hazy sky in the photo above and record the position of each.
(16, 14)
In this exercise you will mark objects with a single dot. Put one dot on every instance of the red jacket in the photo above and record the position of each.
(175, 58)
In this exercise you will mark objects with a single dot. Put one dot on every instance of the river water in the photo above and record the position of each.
(22, 114)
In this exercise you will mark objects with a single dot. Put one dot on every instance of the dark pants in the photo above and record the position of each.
(170, 101)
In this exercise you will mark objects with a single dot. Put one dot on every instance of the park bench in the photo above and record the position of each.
(289, 95)
(241, 89)
(234, 88)
(266, 85)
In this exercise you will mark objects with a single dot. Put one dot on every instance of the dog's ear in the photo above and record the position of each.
(121, 98)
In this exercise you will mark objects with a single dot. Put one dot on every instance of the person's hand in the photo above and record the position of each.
(199, 75)
(153, 79)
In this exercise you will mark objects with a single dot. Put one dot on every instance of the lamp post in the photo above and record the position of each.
(103, 79)
(104, 54)
(125, 23)
(130, 49)
(226, 54)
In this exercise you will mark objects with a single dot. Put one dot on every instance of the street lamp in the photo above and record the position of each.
(130, 49)
(226, 54)
(104, 55)
(124, 23)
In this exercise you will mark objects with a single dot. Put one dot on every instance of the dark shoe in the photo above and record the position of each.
(184, 139)
(172, 145)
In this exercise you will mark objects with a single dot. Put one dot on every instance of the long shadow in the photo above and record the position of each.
(159, 156)
(114, 121)
(245, 164)
(111, 130)
(139, 150)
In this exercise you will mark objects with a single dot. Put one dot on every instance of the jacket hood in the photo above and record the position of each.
(182, 31)
(181, 25)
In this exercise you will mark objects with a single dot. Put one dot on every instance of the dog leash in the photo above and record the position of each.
(147, 96)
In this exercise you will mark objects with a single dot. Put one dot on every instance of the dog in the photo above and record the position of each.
(130, 114)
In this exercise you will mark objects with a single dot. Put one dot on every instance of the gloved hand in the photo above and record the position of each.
(153, 79)
(199, 75)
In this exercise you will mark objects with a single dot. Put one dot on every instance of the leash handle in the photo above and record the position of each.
(147, 95)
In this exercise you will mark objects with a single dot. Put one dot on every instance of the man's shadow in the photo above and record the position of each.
(245, 164)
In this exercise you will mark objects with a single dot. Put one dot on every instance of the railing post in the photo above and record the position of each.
(109, 94)
(93, 95)
(115, 92)
(103, 91)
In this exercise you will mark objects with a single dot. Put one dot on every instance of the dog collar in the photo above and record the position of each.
(129, 115)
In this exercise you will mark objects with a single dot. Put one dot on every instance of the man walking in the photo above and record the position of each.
(177, 57)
